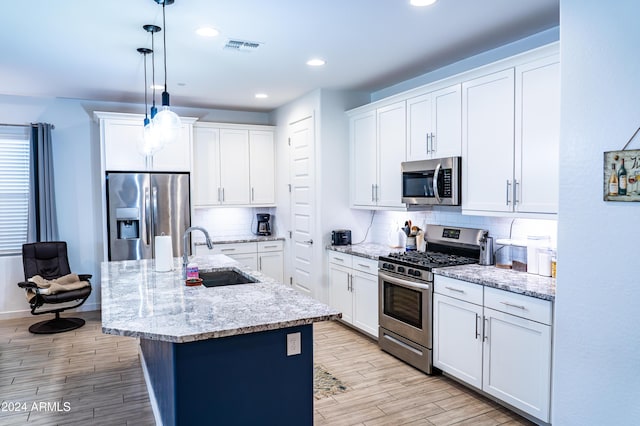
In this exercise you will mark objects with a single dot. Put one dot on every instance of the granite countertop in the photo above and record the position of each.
(241, 238)
(367, 250)
(505, 279)
(139, 302)
(490, 276)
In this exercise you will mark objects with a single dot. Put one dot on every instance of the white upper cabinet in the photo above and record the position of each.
(262, 167)
(206, 174)
(121, 140)
(487, 142)
(503, 119)
(233, 165)
(434, 124)
(511, 133)
(537, 137)
(377, 141)
(364, 159)
(391, 121)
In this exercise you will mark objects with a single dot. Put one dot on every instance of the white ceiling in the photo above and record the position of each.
(86, 49)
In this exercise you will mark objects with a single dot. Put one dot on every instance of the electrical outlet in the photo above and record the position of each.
(294, 345)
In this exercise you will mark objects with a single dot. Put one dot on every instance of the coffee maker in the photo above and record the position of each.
(263, 227)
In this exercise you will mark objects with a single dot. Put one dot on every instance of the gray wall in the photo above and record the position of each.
(597, 338)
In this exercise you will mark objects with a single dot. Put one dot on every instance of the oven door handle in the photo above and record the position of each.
(403, 282)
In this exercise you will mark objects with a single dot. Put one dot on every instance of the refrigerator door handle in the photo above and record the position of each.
(147, 216)
(154, 218)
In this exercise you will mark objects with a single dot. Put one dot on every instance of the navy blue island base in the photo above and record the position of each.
(245, 379)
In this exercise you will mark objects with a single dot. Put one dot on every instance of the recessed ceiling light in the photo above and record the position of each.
(261, 96)
(316, 62)
(420, 3)
(207, 32)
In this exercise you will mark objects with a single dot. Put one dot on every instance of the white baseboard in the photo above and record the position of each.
(26, 313)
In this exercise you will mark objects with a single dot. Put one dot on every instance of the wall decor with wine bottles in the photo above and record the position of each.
(622, 174)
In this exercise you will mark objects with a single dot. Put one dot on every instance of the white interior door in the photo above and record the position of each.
(302, 141)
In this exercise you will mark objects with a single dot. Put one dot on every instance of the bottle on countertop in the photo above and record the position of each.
(613, 181)
(622, 179)
(192, 270)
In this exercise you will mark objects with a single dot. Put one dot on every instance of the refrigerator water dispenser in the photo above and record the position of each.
(128, 223)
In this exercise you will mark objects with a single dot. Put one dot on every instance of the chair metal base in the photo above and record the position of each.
(56, 325)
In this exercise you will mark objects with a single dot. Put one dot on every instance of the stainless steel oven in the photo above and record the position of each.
(405, 318)
(405, 285)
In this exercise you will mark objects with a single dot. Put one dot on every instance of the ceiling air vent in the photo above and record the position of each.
(242, 45)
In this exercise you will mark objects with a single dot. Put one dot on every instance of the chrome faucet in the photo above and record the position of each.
(185, 256)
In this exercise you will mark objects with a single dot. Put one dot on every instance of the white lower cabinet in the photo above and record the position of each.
(353, 290)
(457, 349)
(500, 344)
(271, 259)
(264, 256)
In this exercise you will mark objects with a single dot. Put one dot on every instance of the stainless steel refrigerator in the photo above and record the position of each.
(141, 206)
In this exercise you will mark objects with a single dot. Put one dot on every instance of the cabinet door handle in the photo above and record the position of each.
(252, 194)
(457, 290)
(270, 247)
(524, 308)
(515, 192)
(377, 195)
(260, 264)
(485, 330)
(372, 193)
(228, 249)
(364, 266)
(223, 195)
(433, 143)
(477, 328)
(428, 137)
(338, 259)
(508, 191)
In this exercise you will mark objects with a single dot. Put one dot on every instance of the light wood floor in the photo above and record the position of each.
(85, 377)
(382, 390)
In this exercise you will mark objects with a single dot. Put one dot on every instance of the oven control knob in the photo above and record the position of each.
(400, 268)
(416, 273)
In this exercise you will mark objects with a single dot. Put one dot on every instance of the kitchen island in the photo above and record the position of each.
(239, 354)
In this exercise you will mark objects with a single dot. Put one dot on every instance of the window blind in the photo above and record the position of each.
(14, 188)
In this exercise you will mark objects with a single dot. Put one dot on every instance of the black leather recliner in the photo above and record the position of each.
(50, 261)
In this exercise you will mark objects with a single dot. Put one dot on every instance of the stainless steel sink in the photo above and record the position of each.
(224, 277)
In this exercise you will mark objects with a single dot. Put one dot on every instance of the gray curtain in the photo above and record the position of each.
(43, 223)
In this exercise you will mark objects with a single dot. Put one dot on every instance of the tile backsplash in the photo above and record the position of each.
(386, 223)
(228, 221)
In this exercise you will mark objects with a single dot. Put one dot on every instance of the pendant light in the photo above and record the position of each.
(167, 121)
(153, 29)
(151, 132)
(147, 147)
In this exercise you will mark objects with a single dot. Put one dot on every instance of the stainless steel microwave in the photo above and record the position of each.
(431, 182)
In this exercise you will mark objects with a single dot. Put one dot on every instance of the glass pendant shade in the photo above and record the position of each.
(168, 125)
(151, 138)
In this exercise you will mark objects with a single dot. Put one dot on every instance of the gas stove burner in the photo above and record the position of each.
(430, 259)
